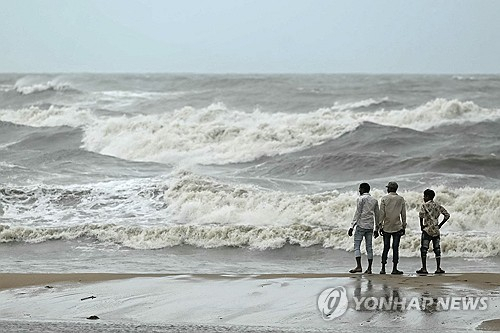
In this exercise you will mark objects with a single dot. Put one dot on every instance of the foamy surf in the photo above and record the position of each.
(453, 244)
(207, 213)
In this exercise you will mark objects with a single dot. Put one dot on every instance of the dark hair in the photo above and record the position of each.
(365, 187)
(429, 193)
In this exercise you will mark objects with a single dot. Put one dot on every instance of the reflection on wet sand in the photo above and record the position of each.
(368, 298)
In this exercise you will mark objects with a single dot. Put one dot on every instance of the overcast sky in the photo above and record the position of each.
(258, 36)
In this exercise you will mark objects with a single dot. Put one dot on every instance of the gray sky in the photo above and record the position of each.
(258, 36)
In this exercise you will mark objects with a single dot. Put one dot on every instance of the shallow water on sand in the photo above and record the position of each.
(87, 256)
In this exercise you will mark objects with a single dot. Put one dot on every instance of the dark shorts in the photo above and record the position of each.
(425, 241)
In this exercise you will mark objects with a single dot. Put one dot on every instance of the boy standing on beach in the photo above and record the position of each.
(429, 224)
(366, 212)
(392, 224)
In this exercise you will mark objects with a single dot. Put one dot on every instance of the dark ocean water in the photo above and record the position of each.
(257, 161)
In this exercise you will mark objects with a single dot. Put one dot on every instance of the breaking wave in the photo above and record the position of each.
(218, 135)
(52, 116)
(204, 212)
(28, 85)
(255, 237)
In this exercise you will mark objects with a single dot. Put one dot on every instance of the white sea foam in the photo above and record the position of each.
(31, 85)
(204, 212)
(10, 166)
(213, 135)
(201, 200)
(218, 135)
(434, 114)
(453, 244)
(125, 101)
(121, 202)
(52, 117)
(141, 95)
(464, 78)
(5, 87)
(360, 104)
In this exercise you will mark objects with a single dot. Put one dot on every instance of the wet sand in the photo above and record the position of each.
(264, 302)
(477, 280)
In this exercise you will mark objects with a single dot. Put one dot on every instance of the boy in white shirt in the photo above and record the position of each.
(366, 213)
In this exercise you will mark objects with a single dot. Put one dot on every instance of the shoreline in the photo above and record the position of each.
(18, 280)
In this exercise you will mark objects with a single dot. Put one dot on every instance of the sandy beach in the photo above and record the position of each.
(242, 302)
(477, 280)
(17, 280)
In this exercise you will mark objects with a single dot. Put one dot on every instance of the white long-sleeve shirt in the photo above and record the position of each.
(366, 212)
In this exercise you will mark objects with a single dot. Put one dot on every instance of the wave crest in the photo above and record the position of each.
(29, 85)
(53, 116)
(254, 237)
(434, 113)
(363, 104)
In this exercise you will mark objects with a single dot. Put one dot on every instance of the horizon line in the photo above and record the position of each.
(244, 73)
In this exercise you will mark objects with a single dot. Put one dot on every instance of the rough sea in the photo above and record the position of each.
(237, 173)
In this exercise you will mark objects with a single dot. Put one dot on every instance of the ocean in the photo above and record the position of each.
(198, 173)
